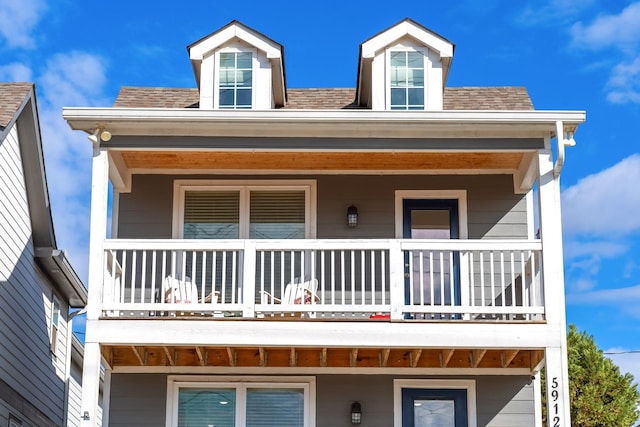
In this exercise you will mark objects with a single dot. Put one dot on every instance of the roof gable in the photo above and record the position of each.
(233, 32)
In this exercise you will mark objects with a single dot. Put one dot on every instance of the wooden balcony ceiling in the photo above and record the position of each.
(155, 356)
(310, 161)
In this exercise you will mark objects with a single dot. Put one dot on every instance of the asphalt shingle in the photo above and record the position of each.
(11, 97)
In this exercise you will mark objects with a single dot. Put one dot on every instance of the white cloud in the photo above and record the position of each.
(552, 12)
(624, 84)
(15, 72)
(69, 79)
(628, 362)
(619, 297)
(18, 19)
(604, 204)
(621, 31)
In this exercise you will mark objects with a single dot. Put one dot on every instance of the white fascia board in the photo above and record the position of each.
(159, 121)
(430, 40)
(205, 47)
(323, 334)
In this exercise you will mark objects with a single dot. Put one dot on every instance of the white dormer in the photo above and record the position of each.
(405, 67)
(238, 68)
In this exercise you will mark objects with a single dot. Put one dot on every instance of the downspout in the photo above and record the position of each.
(561, 142)
(67, 367)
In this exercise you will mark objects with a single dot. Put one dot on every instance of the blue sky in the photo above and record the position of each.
(570, 54)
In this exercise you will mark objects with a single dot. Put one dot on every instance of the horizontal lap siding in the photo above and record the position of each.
(494, 211)
(140, 399)
(25, 298)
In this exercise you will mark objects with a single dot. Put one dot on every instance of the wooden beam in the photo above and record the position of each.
(323, 358)
(169, 356)
(232, 356)
(414, 357)
(263, 356)
(353, 358)
(384, 357)
(202, 356)
(139, 353)
(445, 357)
(537, 356)
(293, 358)
(475, 357)
(506, 357)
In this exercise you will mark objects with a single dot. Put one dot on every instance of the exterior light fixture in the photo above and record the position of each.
(100, 134)
(356, 413)
(352, 216)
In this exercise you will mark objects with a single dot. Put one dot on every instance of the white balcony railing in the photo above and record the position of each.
(346, 279)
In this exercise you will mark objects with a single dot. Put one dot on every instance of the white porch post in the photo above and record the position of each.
(553, 279)
(98, 230)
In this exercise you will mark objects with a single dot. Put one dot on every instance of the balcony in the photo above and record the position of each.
(375, 280)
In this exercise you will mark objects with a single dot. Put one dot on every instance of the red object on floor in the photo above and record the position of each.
(380, 316)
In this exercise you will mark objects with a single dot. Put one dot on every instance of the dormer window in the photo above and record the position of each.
(235, 80)
(406, 80)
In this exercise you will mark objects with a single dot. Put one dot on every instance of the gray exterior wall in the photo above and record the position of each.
(494, 211)
(140, 400)
(31, 376)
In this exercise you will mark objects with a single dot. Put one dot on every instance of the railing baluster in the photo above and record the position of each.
(383, 276)
(472, 281)
(223, 277)
(432, 280)
(493, 277)
(143, 278)
(373, 277)
(523, 271)
(342, 276)
(502, 279)
(482, 294)
(421, 277)
(452, 290)
(235, 294)
(353, 276)
(124, 276)
(332, 272)
(442, 296)
(363, 286)
(412, 299)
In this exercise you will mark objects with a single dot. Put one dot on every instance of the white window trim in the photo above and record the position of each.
(55, 328)
(426, 71)
(468, 385)
(175, 382)
(216, 74)
(460, 195)
(180, 186)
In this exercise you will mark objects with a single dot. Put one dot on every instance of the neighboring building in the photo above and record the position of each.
(75, 385)
(37, 283)
(319, 257)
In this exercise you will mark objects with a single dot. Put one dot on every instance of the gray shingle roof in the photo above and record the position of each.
(11, 97)
(459, 98)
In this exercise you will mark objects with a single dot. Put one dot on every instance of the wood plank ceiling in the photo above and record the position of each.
(132, 356)
(243, 160)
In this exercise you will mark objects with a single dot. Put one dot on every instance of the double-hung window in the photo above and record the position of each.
(406, 80)
(249, 402)
(235, 80)
(229, 210)
(255, 210)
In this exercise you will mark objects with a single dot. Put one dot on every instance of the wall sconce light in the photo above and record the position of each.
(352, 216)
(100, 134)
(356, 413)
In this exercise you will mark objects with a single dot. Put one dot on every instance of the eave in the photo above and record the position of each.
(321, 123)
(54, 263)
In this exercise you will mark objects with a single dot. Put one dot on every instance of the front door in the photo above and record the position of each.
(434, 407)
(431, 276)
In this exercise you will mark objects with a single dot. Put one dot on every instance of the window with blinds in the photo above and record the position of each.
(211, 215)
(252, 405)
(271, 214)
(276, 215)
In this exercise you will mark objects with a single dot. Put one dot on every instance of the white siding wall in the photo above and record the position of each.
(26, 362)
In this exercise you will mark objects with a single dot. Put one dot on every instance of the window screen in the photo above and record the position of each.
(277, 215)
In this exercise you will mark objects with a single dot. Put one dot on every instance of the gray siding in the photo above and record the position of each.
(140, 400)
(26, 363)
(494, 211)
